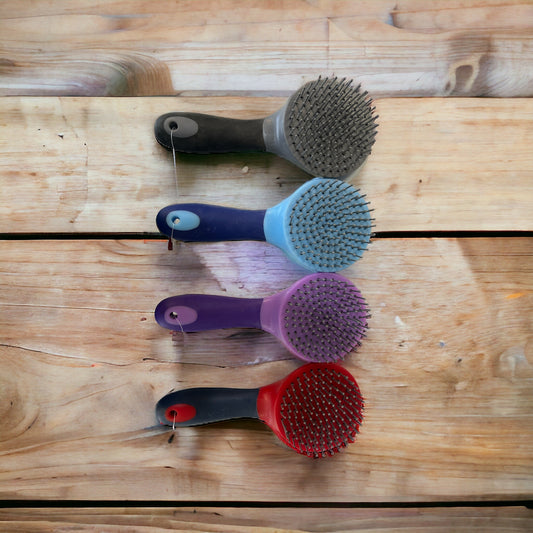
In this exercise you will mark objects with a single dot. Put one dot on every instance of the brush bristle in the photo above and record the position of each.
(330, 226)
(325, 318)
(330, 127)
(321, 411)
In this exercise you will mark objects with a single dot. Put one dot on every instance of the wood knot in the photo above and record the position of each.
(17, 410)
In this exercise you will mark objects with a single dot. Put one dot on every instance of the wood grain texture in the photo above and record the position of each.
(93, 165)
(446, 371)
(269, 520)
(447, 367)
(406, 48)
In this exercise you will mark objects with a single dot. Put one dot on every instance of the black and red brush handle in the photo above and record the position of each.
(204, 405)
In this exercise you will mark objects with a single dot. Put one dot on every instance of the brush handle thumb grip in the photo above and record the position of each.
(196, 133)
(203, 405)
(201, 312)
(210, 223)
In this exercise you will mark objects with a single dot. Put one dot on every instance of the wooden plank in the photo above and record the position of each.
(249, 519)
(476, 48)
(446, 371)
(93, 165)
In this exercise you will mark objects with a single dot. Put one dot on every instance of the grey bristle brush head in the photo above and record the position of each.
(327, 128)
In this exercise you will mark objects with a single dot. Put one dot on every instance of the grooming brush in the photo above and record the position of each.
(316, 410)
(324, 226)
(326, 128)
(320, 318)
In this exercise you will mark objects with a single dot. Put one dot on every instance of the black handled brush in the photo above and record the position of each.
(326, 128)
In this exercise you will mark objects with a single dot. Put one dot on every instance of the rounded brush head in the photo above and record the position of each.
(321, 318)
(330, 127)
(327, 225)
(317, 410)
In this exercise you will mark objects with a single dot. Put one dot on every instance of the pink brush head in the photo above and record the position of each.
(321, 318)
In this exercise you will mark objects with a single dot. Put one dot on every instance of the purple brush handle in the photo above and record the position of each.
(200, 312)
(214, 223)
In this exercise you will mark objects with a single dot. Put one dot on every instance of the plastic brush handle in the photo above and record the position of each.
(197, 133)
(201, 312)
(211, 223)
(203, 405)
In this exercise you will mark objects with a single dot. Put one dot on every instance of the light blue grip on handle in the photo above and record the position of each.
(182, 220)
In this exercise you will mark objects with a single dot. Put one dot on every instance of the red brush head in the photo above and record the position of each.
(316, 410)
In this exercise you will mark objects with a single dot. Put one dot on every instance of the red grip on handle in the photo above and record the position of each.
(180, 412)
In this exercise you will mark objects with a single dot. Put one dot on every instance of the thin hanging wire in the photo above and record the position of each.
(171, 241)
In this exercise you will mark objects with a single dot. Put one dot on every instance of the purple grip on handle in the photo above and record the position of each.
(217, 223)
(200, 312)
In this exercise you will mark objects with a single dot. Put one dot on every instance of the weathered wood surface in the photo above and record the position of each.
(447, 372)
(447, 366)
(93, 165)
(405, 48)
(270, 520)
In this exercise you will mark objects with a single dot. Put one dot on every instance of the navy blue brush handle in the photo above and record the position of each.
(197, 133)
(204, 405)
(211, 223)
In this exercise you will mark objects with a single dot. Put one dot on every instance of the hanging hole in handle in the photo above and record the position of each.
(171, 126)
(181, 315)
(173, 220)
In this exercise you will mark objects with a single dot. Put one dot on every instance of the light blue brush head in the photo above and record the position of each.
(324, 226)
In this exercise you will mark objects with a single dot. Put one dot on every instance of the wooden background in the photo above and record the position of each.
(447, 368)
